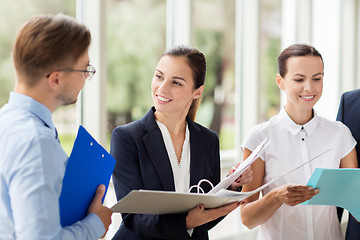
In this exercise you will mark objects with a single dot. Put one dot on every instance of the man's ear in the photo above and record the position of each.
(53, 80)
(280, 81)
(198, 92)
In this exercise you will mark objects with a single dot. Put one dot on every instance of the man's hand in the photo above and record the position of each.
(104, 213)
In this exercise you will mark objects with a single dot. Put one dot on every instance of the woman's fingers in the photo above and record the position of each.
(199, 215)
(295, 194)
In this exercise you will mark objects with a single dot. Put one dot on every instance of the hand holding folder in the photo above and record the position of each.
(338, 187)
(89, 166)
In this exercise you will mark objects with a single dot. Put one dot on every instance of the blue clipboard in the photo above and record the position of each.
(89, 165)
(338, 187)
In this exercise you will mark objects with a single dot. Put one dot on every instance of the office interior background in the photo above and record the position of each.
(241, 40)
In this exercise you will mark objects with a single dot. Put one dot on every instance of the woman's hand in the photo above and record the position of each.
(244, 178)
(199, 215)
(294, 194)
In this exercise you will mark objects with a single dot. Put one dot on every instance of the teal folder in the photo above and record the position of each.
(89, 165)
(338, 187)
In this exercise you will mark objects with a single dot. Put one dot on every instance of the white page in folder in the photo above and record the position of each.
(243, 195)
(226, 182)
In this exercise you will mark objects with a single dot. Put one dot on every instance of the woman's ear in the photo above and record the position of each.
(280, 81)
(198, 92)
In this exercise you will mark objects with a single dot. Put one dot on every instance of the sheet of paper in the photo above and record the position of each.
(338, 187)
(227, 181)
(89, 165)
(243, 195)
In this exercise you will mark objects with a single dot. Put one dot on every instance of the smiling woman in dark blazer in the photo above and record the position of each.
(166, 150)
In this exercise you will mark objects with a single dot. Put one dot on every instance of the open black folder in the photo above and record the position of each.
(89, 165)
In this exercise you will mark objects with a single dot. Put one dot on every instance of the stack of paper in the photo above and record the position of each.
(225, 183)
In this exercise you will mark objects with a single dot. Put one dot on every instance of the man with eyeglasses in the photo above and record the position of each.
(51, 62)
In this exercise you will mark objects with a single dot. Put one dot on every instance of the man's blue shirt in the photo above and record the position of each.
(32, 166)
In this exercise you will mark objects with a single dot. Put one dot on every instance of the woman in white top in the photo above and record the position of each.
(297, 135)
(166, 150)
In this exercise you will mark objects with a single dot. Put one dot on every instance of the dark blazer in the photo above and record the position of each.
(142, 163)
(349, 114)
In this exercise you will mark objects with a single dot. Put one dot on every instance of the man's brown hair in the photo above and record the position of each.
(48, 42)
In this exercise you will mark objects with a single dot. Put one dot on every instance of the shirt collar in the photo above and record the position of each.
(33, 106)
(294, 128)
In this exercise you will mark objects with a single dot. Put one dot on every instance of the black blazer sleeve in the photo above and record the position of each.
(216, 179)
(340, 115)
(127, 176)
(349, 114)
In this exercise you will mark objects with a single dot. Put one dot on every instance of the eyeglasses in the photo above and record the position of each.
(88, 73)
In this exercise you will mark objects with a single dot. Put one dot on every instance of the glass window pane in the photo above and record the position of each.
(136, 37)
(213, 32)
(269, 49)
(16, 12)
